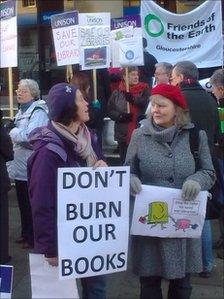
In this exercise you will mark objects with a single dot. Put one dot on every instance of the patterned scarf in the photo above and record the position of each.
(82, 140)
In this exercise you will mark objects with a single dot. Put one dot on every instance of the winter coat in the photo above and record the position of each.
(160, 164)
(35, 116)
(6, 154)
(117, 105)
(203, 110)
(51, 151)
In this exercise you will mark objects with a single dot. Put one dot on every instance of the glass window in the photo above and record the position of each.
(130, 3)
(29, 3)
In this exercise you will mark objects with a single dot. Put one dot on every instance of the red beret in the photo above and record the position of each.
(170, 92)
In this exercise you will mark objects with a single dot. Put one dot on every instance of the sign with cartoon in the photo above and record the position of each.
(94, 40)
(161, 212)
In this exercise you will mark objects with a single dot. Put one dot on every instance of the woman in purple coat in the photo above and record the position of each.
(65, 142)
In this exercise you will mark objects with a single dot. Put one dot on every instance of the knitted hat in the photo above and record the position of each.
(61, 99)
(173, 93)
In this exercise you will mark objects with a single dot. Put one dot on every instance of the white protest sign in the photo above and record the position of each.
(65, 33)
(129, 53)
(161, 212)
(94, 40)
(8, 34)
(6, 279)
(194, 36)
(93, 220)
(126, 41)
(45, 282)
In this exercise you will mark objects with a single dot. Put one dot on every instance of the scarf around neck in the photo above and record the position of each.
(82, 140)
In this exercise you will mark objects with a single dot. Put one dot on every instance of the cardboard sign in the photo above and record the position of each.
(161, 212)
(126, 41)
(93, 220)
(8, 34)
(6, 279)
(94, 40)
(65, 33)
(45, 282)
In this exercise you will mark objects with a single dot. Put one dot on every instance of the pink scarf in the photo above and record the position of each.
(82, 139)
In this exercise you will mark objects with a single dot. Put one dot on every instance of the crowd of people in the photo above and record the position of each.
(153, 124)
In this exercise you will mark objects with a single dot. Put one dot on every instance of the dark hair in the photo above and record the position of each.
(68, 116)
(81, 80)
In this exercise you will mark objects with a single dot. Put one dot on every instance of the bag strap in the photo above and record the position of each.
(194, 145)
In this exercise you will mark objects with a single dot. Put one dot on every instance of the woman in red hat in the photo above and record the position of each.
(159, 154)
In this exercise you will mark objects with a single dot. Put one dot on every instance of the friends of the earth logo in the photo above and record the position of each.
(155, 27)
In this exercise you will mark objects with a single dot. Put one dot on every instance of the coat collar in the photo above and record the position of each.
(146, 127)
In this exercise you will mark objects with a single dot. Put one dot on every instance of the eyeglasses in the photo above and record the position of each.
(21, 91)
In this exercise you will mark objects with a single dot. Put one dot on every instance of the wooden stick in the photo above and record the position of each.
(11, 111)
(69, 73)
(127, 86)
(94, 85)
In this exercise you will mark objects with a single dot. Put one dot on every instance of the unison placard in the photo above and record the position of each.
(65, 33)
(8, 34)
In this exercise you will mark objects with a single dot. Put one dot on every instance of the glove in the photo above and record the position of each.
(129, 97)
(190, 190)
(135, 185)
(125, 117)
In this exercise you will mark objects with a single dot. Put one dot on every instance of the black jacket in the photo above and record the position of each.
(6, 154)
(203, 111)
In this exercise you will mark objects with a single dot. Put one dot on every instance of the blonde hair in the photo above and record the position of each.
(182, 115)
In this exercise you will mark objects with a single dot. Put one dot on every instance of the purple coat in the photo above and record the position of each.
(51, 151)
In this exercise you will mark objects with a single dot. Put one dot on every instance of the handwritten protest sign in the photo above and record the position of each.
(65, 33)
(94, 39)
(93, 221)
(8, 34)
(6, 278)
(161, 212)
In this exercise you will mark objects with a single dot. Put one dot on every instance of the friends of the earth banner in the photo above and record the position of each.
(194, 36)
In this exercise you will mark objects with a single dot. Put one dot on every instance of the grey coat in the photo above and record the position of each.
(159, 164)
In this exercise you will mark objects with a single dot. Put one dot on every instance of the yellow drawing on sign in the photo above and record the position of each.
(158, 212)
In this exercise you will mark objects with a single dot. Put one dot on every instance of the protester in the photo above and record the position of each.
(32, 114)
(162, 75)
(146, 71)
(103, 94)
(118, 108)
(159, 154)
(204, 114)
(217, 82)
(6, 154)
(81, 80)
(65, 142)
(163, 72)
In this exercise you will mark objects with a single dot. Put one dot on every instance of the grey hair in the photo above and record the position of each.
(217, 79)
(188, 69)
(32, 86)
(166, 66)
